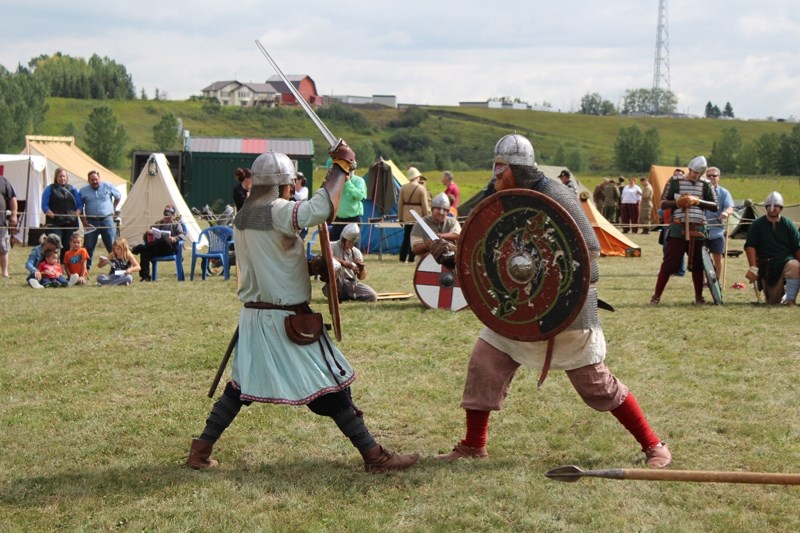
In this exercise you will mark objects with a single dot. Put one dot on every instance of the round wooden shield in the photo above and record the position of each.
(711, 277)
(523, 265)
(437, 286)
(333, 290)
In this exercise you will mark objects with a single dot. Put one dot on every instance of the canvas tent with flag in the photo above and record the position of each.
(384, 180)
(155, 188)
(62, 152)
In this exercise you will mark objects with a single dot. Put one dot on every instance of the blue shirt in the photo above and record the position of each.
(716, 227)
(99, 202)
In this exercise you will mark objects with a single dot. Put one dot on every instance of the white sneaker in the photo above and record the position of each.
(73, 279)
(34, 283)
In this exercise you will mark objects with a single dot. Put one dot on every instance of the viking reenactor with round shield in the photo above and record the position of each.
(284, 355)
(527, 264)
(688, 197)
(445, 227)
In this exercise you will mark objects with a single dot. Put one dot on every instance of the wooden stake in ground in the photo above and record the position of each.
(572, 473)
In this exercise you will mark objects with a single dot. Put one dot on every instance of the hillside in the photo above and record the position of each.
(454, 137)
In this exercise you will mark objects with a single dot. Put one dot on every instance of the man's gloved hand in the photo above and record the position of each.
(687, 200)
(442, 249)
(343, 156)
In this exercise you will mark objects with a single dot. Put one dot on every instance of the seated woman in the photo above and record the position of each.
(46, 242)
(123, 264)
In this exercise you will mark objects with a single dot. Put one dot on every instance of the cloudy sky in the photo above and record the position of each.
(441, 52)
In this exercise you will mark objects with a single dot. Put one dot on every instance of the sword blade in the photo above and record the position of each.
(300, 100)
(425, 227)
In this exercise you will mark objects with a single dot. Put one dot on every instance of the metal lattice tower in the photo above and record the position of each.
(661, 66)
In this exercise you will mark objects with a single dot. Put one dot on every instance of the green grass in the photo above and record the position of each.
(103, 388)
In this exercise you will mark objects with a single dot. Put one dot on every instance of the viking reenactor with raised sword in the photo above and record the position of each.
(537, 280)
(284, 354)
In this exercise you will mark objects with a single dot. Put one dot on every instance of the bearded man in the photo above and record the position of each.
(445, 227)
(579, 350)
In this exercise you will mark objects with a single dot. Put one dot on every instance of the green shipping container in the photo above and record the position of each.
(209, 164)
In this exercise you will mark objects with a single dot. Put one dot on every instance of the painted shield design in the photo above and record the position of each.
(333, 290)
(437, 287)
(523, 265)
(711, 277)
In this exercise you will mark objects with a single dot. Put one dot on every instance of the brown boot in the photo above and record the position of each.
(200, 455)
(658, 456)
(462, 451)
(378, 460)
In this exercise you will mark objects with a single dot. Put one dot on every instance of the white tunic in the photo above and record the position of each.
(272, 264)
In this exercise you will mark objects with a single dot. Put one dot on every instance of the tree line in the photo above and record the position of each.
(23, 106)
(771, 153)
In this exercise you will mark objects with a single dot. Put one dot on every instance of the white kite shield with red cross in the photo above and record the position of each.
(437, 287)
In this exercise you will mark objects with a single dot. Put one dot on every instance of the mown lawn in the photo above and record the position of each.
(104, 387)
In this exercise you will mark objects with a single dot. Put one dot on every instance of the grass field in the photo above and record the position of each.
(104, 387)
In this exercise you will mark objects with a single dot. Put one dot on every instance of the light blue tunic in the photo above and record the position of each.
(272, 264)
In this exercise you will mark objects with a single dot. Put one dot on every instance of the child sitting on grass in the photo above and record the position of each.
(53, 273)
(123, 264)
(76, 259)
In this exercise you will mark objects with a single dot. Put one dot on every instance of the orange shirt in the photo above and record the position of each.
(76, 261)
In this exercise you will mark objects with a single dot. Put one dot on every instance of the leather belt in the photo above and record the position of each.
(298, 309)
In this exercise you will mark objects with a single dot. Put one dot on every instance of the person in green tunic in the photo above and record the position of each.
(773, 253)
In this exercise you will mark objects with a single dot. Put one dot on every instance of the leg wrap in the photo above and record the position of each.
(353, 427)
(792, 287)
(222, 414)
(631, 416)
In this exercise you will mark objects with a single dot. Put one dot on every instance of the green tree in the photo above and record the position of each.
(576, 160)
(560, 158)
(788, 160)
(593, 104)
(164, 133)
(74, 77)
(766, 153)
(648, 101)
(105, 137)
(636, 151)
(725, 150)
(22, 107)
(727, 110)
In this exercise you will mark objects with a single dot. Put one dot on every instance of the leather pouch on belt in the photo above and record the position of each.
(303, 329)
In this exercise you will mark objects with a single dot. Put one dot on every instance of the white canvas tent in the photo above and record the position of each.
(28, 175)
(64, 153)
(146, 201)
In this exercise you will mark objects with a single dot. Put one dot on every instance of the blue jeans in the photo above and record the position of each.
(104, 227)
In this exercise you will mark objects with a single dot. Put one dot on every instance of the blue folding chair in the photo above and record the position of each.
(177, 257)
(219, 240)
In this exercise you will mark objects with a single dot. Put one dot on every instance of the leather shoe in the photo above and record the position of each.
(462, 451)
(655, 300)
(200, 455)
(658, 456)
(378, 460)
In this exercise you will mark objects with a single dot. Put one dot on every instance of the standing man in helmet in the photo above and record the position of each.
(773, 253)
(275, 289)
(688, 196)
(579, 350)
(445, 227)
(351, 269)
(413, 195)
